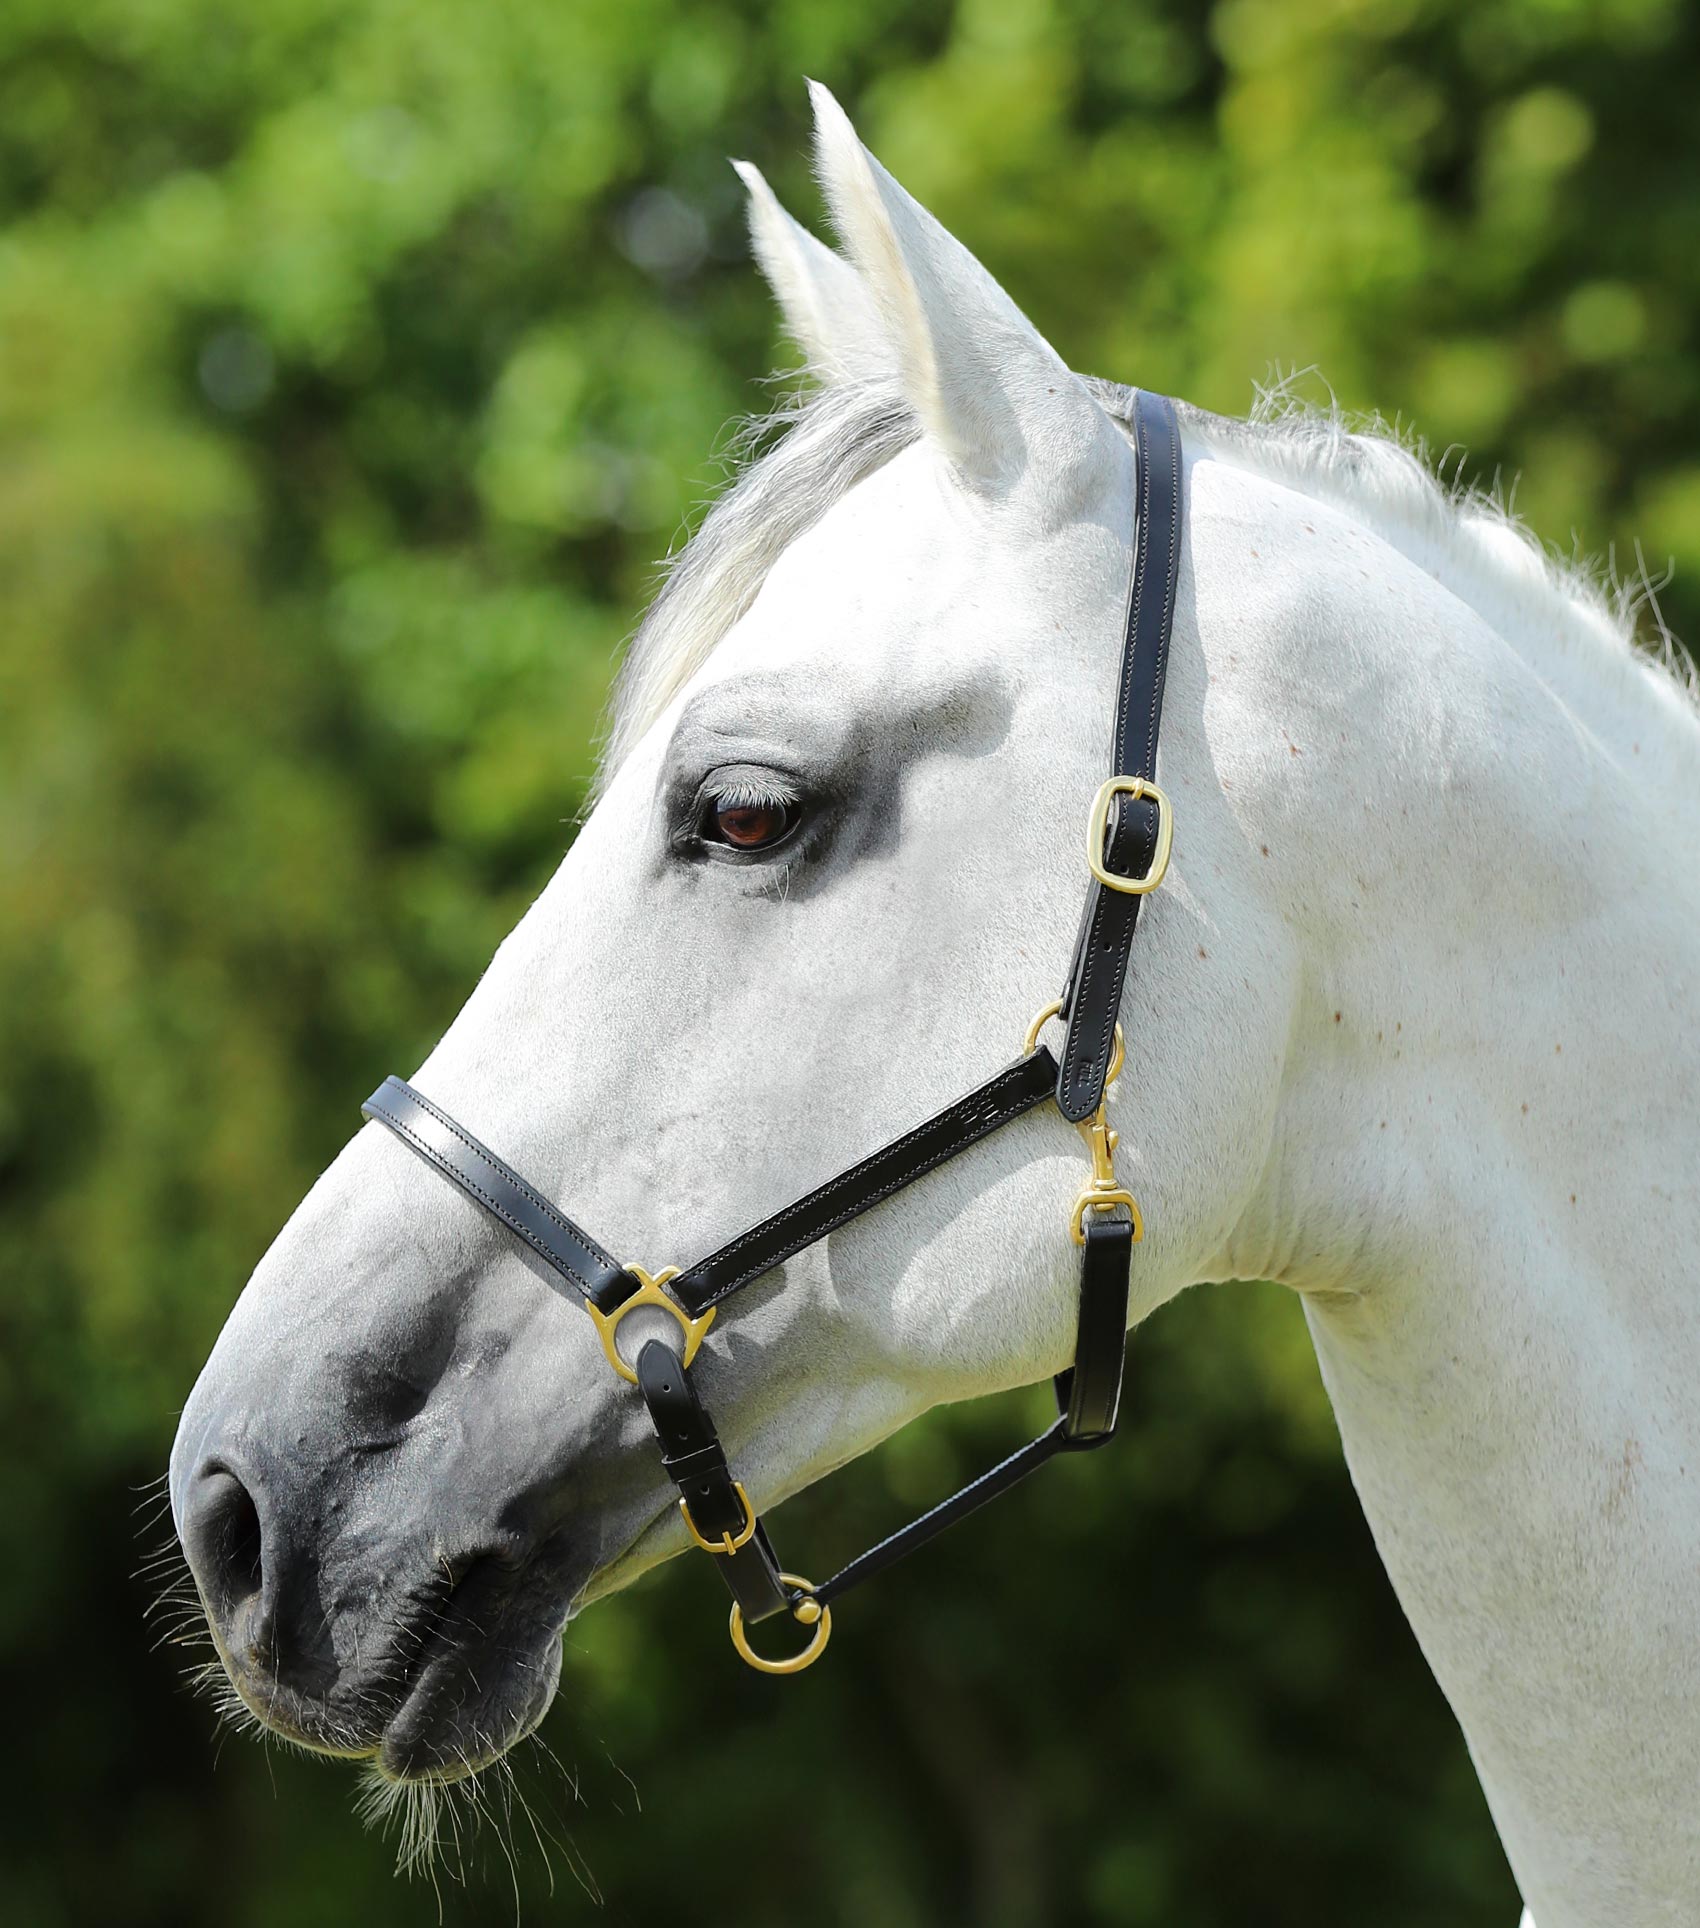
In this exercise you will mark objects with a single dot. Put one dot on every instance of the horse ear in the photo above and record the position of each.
(827, 309)
(985, 383)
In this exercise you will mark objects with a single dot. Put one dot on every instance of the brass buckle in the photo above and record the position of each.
(726, 1543)
(1099, 823)
(650, 1292)
(808, 1612)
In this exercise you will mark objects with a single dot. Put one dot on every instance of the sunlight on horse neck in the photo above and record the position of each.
(1597, 641)
(1474, 1175)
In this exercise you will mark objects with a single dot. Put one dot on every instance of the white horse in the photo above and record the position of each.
(1410, 1030)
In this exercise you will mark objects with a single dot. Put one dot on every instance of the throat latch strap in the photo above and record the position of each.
(1088, 1397)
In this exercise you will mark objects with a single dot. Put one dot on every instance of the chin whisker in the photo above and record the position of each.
(435, 1821)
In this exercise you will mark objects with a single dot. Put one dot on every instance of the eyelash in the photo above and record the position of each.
(733, 790)
(747, 793)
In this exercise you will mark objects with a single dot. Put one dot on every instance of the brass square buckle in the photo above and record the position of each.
(1099, 824)
(727, 1543)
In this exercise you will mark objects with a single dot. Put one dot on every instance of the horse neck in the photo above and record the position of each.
(1479, 1182)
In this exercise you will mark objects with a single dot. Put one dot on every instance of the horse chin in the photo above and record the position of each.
(450, 1715)
(440, 1734)
(437, 1733)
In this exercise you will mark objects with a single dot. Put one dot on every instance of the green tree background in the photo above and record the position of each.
(356, 363)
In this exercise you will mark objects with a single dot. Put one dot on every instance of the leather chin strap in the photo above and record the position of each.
(1128, 848)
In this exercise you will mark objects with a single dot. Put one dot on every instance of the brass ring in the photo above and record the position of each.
(794, 1663)
(651, 1291)
(1031, 1044)
(1054, 1010)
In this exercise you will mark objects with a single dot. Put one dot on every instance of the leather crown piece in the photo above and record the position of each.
(1128, 850)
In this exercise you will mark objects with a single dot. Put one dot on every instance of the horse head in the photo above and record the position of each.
(833, 870)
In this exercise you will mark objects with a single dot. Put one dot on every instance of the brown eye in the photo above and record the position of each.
(748, 826)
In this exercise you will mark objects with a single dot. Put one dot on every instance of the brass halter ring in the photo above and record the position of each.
(651, 1291)
(807, 1612)
(1054, 1010)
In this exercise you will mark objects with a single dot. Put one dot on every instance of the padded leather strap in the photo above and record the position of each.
(499, 1188)
(1093, 994)
(696, 1463)
(1089, 1393)
(1017, 1088)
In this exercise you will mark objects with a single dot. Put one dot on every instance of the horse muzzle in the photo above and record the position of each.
(428, 1657)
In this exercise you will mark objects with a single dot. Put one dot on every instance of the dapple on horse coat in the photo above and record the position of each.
(1408, 1030)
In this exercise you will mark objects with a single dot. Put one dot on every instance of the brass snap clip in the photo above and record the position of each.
(1104, 1193)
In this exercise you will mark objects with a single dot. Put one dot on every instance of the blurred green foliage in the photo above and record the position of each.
(356, 362)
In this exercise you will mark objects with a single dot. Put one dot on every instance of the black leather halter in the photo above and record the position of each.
(1128, 842)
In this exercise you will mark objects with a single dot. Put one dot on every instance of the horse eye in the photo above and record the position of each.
(747, 826)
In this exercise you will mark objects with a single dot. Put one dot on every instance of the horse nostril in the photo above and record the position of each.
(224, 1542)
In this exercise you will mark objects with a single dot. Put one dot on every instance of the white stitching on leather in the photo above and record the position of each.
(1098, 1063)
(1001, 1116)
(443, 1164)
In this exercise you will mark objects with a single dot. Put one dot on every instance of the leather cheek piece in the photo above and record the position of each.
(1098, 970)
(1017, 1088)
(1092, 999)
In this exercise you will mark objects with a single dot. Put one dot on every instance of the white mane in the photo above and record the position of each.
(1585, 632)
